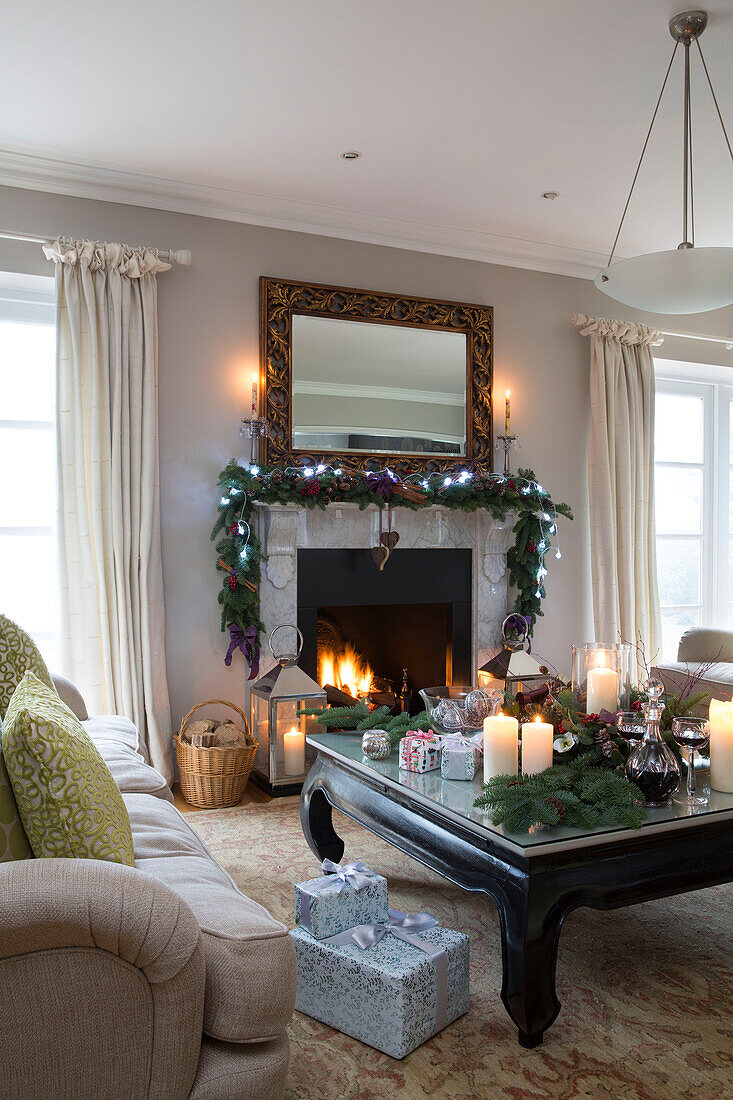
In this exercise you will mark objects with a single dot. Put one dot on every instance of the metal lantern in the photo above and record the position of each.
(513, 668)
(281, 761)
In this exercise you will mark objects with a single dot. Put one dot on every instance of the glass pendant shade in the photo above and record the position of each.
(684, 280)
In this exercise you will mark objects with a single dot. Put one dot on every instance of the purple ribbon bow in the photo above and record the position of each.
(382, 484)
(246, 640)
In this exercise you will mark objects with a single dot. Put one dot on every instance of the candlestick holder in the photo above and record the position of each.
(506, 442)
(257, 428)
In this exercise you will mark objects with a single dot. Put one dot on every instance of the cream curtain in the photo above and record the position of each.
(110, 564)
(621, 481)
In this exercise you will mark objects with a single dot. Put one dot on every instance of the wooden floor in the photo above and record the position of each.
(252, 795)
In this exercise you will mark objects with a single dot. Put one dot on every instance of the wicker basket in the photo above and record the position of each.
(214, 777)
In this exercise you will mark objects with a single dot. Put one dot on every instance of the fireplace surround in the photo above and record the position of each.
(296, 579)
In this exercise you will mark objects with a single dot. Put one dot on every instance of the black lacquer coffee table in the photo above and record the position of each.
(535, 878)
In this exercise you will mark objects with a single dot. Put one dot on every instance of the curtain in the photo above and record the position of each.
(621, 481)
(110, 563)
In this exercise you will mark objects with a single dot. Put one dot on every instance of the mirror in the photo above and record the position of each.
(368, 379)
(379, 389)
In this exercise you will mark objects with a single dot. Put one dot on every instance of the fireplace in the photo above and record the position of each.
(363, 628)
(436, 608)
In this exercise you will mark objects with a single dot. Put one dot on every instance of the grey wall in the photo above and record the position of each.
(209, 346)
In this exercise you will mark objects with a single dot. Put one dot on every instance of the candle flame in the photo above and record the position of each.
(601, 659)
(508, 394)
(293, 731)
(537, 718)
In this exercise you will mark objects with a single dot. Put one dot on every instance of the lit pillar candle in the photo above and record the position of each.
(507, 412)
(254, 395)
(602, 688)
(536, 746)
(721, 745)
(294, 747)
(501, 746)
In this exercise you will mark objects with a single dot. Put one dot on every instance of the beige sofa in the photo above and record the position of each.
(702, 650)
(162, 981)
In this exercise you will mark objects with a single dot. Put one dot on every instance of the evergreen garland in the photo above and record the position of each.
(579, 795)
(360, 718)
(239, 551)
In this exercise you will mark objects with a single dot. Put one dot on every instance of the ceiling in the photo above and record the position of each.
(465, 111)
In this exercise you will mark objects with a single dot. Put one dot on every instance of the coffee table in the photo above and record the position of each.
(535, 879)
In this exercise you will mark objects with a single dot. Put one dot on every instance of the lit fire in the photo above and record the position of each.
(346, 670)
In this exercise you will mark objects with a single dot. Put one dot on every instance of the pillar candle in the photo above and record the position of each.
(602, 688)
(294, 746)
(507, 412)
(536, 746)
(721, 745)
(501, 746)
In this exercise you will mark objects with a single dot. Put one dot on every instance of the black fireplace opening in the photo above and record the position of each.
(366, 630)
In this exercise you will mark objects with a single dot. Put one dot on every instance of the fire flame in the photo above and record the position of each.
(346, 670)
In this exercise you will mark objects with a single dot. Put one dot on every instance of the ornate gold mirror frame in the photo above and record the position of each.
(280, 299)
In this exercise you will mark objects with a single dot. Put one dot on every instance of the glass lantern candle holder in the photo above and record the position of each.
(282, 760)
(601, 677)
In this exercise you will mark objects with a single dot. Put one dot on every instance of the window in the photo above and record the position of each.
(28, 585)
(693, 459)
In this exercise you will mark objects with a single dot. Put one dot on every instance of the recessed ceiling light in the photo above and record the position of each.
(550, 194)
(350, 154)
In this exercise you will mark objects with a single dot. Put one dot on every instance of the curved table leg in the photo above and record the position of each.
(317, 824)
(530, 929)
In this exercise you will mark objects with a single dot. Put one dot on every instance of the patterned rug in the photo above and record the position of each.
(645, 991)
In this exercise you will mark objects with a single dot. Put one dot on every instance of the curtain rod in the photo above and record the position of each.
(728, 343)
(178, 255)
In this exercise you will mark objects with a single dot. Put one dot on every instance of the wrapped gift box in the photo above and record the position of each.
(388, 996)
(420, 752)
(326, 906)
(458, 759)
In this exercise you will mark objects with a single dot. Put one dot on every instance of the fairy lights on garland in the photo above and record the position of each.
(239, 552)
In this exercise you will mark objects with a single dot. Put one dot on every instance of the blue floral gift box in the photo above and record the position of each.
(393, 994)
(347, 896)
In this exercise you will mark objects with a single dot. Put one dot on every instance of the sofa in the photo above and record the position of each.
(161, 981)
(706, 653)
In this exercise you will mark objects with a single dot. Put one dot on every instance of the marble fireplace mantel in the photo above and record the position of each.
(286, 528)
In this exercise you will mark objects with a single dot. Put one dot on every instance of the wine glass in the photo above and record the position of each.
(691, 734)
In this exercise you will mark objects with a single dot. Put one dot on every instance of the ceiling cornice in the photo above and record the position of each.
(43, 173)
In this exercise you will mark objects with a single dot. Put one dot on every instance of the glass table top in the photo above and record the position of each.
(455, 799)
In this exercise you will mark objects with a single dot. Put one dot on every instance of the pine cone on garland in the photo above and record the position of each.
(557, 805)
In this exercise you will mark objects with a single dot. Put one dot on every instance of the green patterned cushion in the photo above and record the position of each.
(13, 841)
(18, 654)
(68, 801)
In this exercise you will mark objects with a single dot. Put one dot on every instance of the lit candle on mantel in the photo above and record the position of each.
(602, 688)
(507, 412)
(721, 745)
(501, 746)
(254, 395)
(294, 748)
(536, 746)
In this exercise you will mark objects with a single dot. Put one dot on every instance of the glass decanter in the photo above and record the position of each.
(652, 766)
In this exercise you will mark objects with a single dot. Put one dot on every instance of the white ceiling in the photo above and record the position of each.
(464, 111)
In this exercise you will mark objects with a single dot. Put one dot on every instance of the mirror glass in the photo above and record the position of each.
(380, 388)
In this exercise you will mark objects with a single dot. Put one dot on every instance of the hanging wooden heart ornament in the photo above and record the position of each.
(380, 555)
(389, 539)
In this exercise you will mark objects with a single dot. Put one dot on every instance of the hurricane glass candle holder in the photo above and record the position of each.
(601, 676)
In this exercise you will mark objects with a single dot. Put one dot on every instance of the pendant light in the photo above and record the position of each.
(685, 279)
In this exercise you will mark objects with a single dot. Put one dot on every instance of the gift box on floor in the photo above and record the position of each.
(458, 758)
(347, 896)
(394, 994)
(420, 752)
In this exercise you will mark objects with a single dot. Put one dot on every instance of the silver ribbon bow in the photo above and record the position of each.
(476, 740)
(356, 875)
(403, 926)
